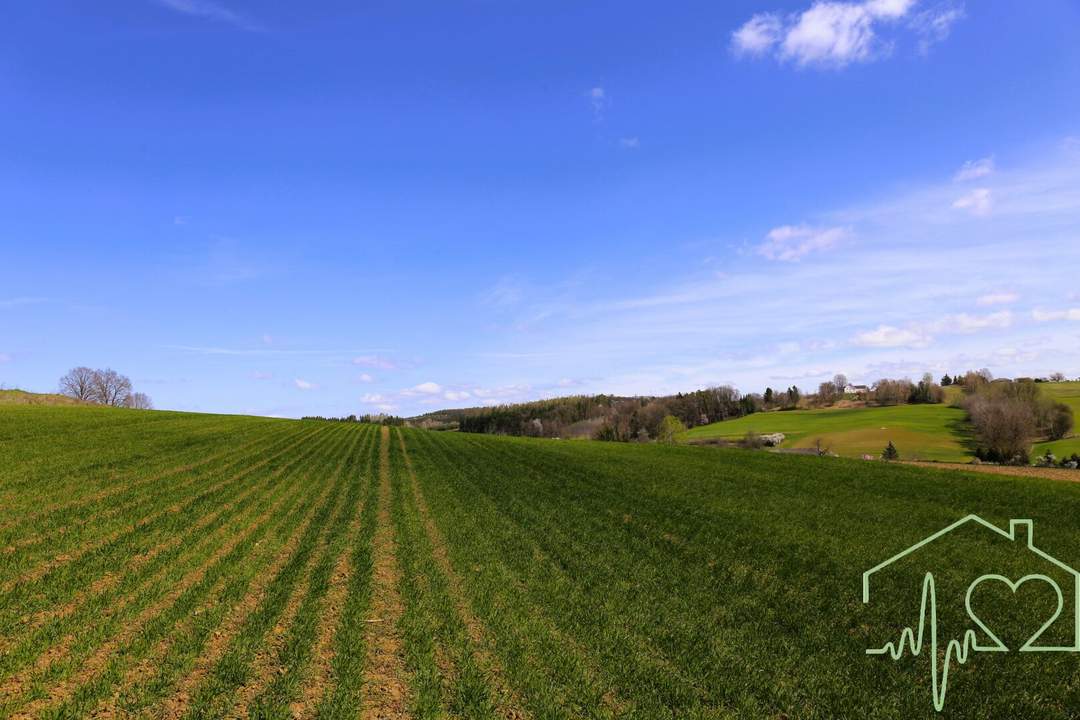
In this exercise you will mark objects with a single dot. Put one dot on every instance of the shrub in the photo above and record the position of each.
(890, 452)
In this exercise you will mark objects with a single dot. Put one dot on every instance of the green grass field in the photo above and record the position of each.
(174, 565)
(1068, 393)
(920, 432)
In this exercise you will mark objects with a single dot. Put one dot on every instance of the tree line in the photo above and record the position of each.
(103, 387)
(376, 419)
(1008, 416)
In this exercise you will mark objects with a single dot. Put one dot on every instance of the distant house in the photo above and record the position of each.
(850, 389)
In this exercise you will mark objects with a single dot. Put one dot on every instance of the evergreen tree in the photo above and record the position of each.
(946, 381)
(890, 452)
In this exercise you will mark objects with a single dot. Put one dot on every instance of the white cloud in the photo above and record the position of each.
(758, 35)
(304, 384)
(915, 335)
(630, 143)
(456, 395)
(998, 298)
(974, 169)
(209, 10)
(977, 202)
(836, 34)
(374, 361)
(366, 378)
(373, 398)
(260, 375)
(887, 336)
(1051, 315)
(425, 388)
(790, 243)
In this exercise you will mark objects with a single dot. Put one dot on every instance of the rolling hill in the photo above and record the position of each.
(920, 432)
(22, 397)
(201, 566)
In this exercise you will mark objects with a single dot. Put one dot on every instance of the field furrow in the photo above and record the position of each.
(122, 613)
(506, 702)
(387, 693)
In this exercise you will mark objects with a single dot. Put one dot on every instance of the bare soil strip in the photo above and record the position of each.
(507, 703)
(386, 690)
(1015, 470)
(322, 674)
(176, 705)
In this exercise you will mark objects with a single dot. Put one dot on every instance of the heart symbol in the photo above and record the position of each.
(1013, 586)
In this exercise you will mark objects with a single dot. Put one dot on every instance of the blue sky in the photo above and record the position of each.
(330, 207)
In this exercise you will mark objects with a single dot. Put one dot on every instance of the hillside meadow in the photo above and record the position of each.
(174, 565)
(920, 432)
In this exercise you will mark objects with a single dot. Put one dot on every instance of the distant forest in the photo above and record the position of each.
(643, 418)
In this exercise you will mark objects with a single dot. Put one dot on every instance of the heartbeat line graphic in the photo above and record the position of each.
(914, 641)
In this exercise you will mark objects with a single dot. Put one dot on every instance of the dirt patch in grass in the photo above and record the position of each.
(1017, 470)
(386, 690)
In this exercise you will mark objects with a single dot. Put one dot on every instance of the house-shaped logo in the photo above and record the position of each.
(1055, 580)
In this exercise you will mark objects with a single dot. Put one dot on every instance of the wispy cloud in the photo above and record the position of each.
(21, 301)
(211, 11)
(888, 336)
(255, 352)
(1040, 315)
(837, 34)
(365, 378)
(630, 143)
(378, 362)
(935, 24)
(302, 384)
(978, 202)
(974, 169)
(998, 298)
(791, 243)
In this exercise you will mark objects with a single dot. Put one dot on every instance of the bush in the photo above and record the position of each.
(670, 426)
(890, 452)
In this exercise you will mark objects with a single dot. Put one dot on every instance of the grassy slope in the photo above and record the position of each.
(598, 579)
(22, 397)
(920, 432)
(1068, 393)
(927, 432)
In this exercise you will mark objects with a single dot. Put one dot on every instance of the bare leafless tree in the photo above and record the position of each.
(139, 401)
(79, 384)
(827, 394)
(110, 388)
(839, 382)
